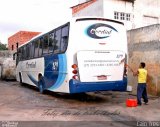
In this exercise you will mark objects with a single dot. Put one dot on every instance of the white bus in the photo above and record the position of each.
(83, 55)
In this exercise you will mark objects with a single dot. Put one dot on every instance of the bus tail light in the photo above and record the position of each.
(75, 72)
(74, 66)
(75, 77)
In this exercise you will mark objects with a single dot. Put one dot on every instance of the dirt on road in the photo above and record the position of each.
(25, 103)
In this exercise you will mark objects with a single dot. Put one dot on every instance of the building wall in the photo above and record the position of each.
(144, 46)
(93, 9)
(146, 12)
(7, 65)
(20, 37)
(121, 6)
(106, 8)
(143, 12)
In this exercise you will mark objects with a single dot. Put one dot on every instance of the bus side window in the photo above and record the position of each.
(27, 51)
(51, 42)
(36, 48)
(64, 39)
(40, 47)
(23, 53)
(45, 44)
(31, 49)
(19, 54)
(57, 41)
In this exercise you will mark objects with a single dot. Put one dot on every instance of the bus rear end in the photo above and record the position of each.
(98, 48)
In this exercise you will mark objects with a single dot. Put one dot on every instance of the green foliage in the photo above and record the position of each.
(3, 46)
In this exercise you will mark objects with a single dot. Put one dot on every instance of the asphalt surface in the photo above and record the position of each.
(23, 105)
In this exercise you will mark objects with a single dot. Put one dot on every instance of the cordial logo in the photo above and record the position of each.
(100, 31)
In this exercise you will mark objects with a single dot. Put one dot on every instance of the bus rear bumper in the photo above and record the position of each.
(79, 87)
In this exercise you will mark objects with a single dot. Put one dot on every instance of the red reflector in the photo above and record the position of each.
(74, 66)
(75, 77)
(74, 71)
(131, 102)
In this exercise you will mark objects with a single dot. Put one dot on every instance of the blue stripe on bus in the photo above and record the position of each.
(50, 71)
(53, 78)
(79, 87)
(62, 71)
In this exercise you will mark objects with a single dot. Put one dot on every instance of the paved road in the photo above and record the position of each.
(25, 103)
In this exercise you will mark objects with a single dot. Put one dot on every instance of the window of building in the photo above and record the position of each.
(116, 15)
(17, 45)
(122, 16)
(128, 17)
(12, 47)
(57, 41)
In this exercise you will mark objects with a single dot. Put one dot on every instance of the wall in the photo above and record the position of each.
(20, 37)
(111, 6)
(94, 8)
(144, 45)
(105, 8)
(7, 65)
(143, 12)
(146, 12)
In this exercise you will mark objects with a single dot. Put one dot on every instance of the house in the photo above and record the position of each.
(134, 13)
(20, 38)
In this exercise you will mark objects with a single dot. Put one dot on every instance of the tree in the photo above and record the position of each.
(3, 46)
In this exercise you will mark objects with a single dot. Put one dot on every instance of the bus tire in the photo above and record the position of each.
(20, 78)
(40, 83)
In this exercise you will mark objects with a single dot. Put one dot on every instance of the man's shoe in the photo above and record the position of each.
(146, 103)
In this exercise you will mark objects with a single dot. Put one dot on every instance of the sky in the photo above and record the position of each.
(32, 15)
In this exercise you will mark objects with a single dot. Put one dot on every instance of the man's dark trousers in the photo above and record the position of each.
(142, 93)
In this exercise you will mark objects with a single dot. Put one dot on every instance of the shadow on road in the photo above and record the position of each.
(91, 97)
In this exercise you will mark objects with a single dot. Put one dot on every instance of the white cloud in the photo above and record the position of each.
(35, 15)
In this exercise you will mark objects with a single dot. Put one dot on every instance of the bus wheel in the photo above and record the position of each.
(40, 83)
(20, 78)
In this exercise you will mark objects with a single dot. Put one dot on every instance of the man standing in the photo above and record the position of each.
(142, 79)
